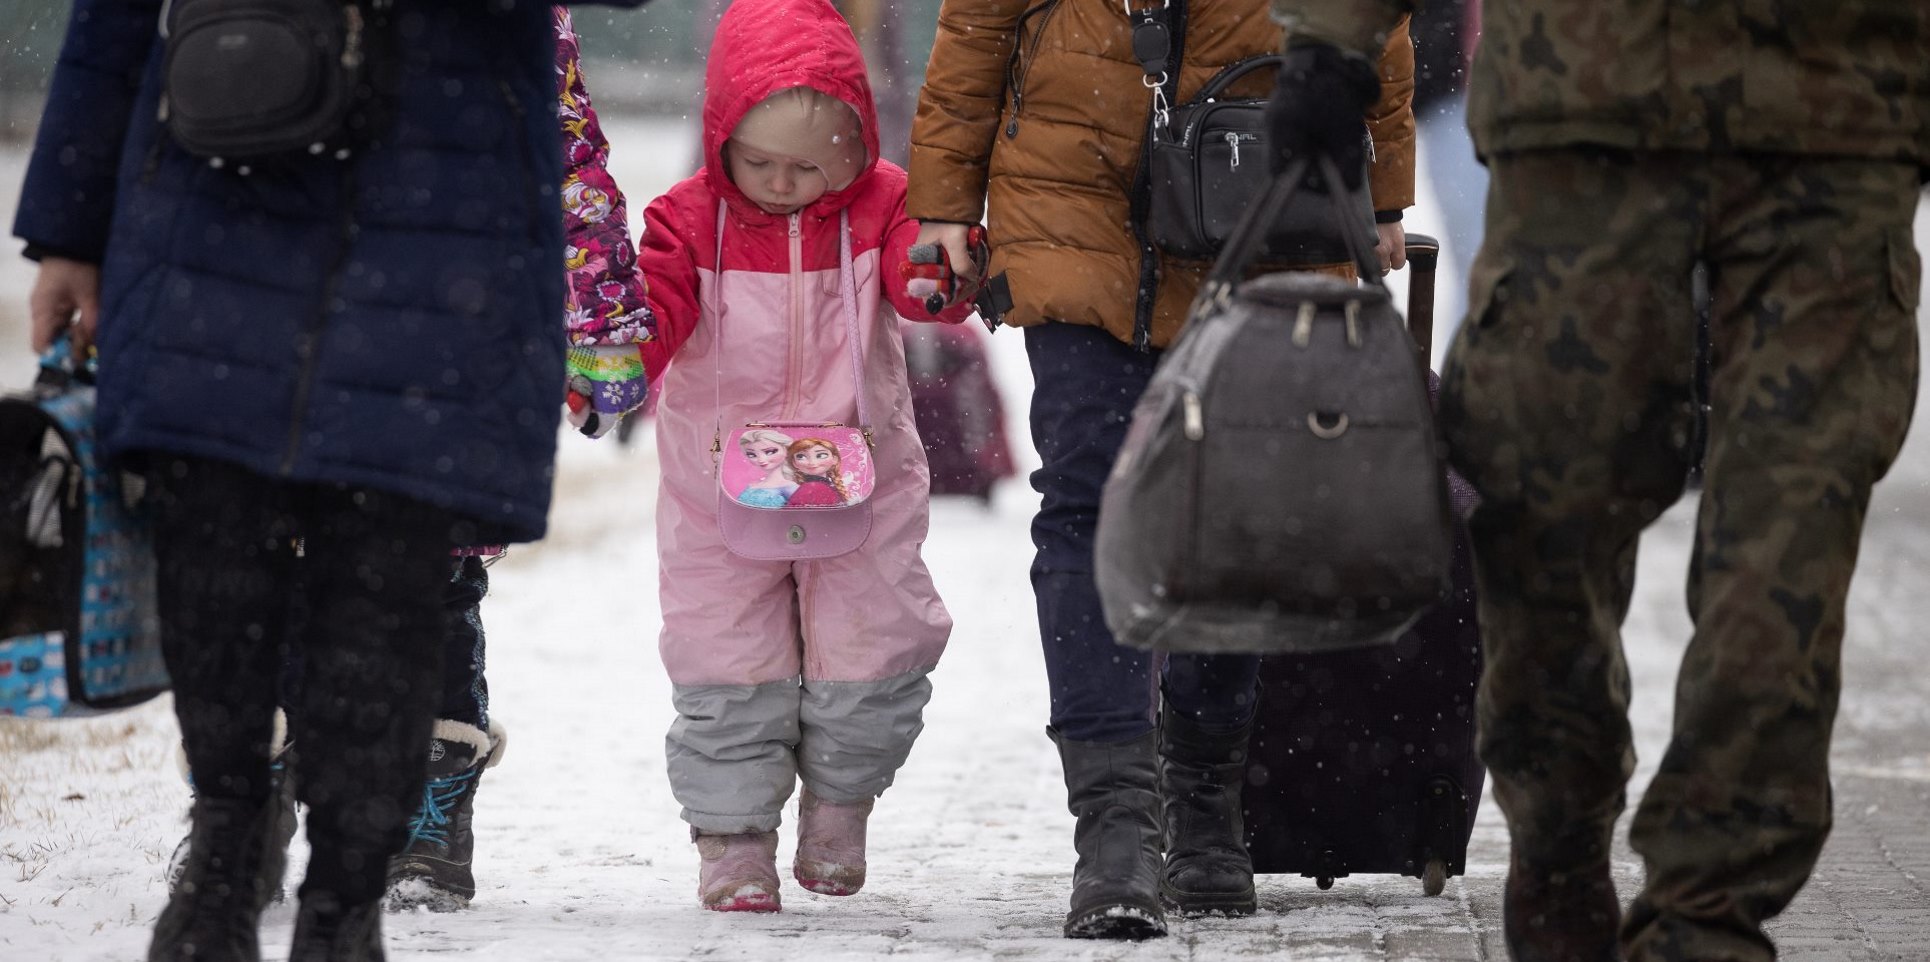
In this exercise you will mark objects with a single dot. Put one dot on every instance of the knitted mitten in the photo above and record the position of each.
(605, 382)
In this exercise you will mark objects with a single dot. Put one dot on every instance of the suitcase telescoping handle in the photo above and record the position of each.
(1423, 255)
(1249, 235)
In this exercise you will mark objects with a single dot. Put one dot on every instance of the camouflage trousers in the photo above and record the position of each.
(1567, 402)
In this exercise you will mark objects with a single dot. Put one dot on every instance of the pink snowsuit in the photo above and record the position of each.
(783, 670)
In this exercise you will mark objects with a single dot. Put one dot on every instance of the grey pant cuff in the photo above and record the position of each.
(707, 823)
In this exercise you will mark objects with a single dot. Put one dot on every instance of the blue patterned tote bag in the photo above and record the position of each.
(78, 630)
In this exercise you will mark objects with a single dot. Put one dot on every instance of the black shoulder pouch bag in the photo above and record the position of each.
(249, 80)
(1208, 160)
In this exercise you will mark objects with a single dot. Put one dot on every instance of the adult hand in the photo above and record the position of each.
(953, 238)
(1319, 106)
(944, 265)
(1391, 245)
(66, 295)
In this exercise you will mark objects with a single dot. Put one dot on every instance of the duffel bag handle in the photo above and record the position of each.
(1233, 72)
(1249, 235)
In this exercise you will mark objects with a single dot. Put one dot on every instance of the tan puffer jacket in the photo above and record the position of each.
(1033, 113)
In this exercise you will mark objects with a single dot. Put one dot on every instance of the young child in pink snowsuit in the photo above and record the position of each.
(786, 671)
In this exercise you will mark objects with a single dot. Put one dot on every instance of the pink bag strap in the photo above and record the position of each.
(847, 292)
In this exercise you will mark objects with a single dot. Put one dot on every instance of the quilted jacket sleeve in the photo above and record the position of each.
(670, 260)
(608, 297)
(1391, 122)
(899, 236)
(958, 110)
(67, 199)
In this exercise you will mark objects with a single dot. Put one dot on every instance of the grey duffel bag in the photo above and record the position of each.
(1280, 488)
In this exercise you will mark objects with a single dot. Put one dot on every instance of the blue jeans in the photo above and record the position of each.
(1085, 383)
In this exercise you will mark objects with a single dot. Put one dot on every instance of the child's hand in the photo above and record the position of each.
(604, 384)
(945, 264)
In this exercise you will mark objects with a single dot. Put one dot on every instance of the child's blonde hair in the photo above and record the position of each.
(810, 124)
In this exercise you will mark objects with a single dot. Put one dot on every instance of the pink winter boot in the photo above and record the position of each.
(739, 872)
(830, 845)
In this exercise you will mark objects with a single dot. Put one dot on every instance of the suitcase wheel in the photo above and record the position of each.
(1324, 882)
(1434, 877)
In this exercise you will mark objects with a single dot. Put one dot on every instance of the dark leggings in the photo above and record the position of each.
(362, 611)
(465, 691)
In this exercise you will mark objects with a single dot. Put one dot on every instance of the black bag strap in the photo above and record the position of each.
(1249, 235)
(1158, 36)
(1234, 71)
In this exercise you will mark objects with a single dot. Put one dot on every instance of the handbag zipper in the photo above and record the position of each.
(1233, 138)
(1195, 421)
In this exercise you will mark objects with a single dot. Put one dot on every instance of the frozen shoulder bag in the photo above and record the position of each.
(796, 490)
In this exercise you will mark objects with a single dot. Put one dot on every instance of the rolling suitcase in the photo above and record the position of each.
(956, 405)
(1363, 761)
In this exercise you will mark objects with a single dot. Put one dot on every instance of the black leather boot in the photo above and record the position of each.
(328, 931)
(1201, 773)
(1114, 792)
(277, 831)
(215, 908)
(1566, 913)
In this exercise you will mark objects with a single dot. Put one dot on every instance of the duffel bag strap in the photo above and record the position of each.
(1249, 235)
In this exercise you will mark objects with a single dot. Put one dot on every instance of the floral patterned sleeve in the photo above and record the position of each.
(607, 303)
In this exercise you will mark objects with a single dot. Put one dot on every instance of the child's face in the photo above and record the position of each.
(765, 454)
(775, 182)
(813, 460)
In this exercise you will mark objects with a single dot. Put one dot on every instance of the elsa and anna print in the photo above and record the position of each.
(774, 469)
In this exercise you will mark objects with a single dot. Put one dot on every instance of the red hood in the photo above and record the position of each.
(764, 46)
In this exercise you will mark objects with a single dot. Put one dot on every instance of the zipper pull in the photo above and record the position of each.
(1195, 422)
(794, 230)
(1233, 141)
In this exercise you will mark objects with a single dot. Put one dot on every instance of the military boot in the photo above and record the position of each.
(1566, 914)
(1113, 790)
(1201, 773)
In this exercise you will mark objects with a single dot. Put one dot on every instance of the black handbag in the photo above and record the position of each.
(1280, 488)
(246, 80)
(1208, 161)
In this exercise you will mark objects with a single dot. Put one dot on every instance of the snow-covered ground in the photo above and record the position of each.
(580, 854)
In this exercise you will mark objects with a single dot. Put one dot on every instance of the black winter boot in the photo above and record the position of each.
(1201, 773)
(277, 832)
(215, 907)
(1561, 914)
(1114, 792)
(435, 871)
(328, 931)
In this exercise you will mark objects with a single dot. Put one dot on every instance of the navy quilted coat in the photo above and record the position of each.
(392, 321)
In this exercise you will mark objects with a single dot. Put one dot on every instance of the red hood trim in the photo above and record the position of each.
(764, 46)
